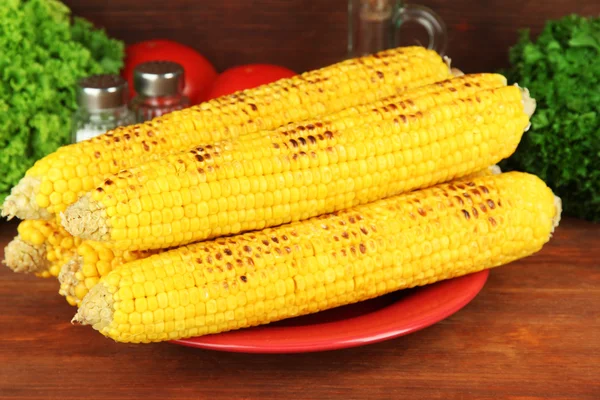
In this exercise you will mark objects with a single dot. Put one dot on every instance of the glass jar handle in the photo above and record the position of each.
(433, 24)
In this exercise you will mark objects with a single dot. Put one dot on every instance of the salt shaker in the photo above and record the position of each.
(159, 89)
(102, 103)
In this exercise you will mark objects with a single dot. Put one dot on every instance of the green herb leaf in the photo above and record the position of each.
(561, 69)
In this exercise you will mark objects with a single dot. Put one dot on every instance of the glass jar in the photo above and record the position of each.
(102, 103)
(374, 25)
(159, 89)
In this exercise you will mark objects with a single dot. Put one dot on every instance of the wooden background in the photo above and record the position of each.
(305, 34)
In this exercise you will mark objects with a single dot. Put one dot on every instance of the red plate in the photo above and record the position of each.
(372, 321)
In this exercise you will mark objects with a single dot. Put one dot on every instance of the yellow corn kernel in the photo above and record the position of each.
(71, 300)
(42, 200)
(80, 291)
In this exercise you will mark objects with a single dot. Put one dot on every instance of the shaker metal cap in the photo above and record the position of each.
(101, 92)
(158, 78)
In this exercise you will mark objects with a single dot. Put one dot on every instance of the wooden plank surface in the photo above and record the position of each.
(532, 333)
(306, 34)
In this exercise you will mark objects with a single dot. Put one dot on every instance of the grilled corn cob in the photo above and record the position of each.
(91, 261)
(95, 260)
(294, 174)
(328, 261)
(41, 247)
(58, 179)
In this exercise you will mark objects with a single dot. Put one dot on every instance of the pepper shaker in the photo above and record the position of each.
(159, 89)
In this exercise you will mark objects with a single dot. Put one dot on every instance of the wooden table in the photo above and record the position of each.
(532, 333)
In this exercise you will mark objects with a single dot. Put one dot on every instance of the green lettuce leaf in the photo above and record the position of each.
(44, 53)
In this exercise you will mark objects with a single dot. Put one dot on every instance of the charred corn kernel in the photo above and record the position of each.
(89, 262)
(356, 254)
(469, 100)
(319, 92)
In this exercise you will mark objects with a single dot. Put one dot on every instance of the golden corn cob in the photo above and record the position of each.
(95, 260)
(26, 252)
(294, 174)
(58, 179)
(91, 261)
(41, 248)
(305, 267)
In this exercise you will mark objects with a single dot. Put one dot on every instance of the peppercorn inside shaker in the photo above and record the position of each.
(102, 101)
(159, 89)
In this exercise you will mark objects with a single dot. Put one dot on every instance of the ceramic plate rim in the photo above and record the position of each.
(469, 285)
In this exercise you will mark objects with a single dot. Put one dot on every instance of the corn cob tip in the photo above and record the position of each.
(85, 219)
(96, 308)
(67, 277)
(456, 72)
(558, 207)
(495, 169)
(529, 103)
(21, 201)
(24, 257)
(448, 61)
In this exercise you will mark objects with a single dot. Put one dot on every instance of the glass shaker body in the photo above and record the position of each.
(102, 106)
(87, 124)
(159, 89)
(147, 107)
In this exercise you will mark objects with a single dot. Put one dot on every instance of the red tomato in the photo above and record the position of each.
(246, 77)
(199, 72)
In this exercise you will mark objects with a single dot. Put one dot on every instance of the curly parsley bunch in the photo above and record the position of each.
(562, 71)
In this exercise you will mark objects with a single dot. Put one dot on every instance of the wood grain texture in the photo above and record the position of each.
(532, 333)
(306, 34)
